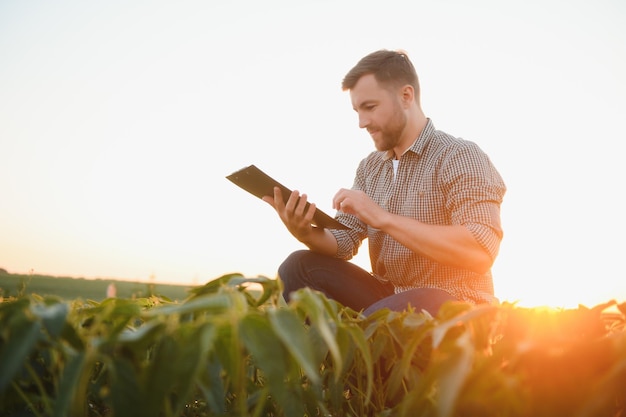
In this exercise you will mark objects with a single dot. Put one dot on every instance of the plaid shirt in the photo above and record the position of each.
(440, 180)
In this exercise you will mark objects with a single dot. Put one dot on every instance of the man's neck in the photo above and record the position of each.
(413, 131)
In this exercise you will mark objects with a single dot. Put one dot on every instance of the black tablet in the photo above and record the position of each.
(258, 183)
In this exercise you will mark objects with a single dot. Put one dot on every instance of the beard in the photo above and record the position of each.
(391, 133)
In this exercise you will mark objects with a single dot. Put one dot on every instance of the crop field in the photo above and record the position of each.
(225, 349)
(89, 289)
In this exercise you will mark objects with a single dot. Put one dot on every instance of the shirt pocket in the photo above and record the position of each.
(424, 205)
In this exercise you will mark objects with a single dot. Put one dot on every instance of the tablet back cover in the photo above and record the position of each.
(258, 183)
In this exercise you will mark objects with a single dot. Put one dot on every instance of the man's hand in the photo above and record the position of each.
(360, 205)
(452, 245)
(294, 214)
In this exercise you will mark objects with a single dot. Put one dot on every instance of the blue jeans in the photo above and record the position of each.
(353, 286)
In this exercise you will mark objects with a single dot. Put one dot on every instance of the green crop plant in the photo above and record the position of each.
(234, 348)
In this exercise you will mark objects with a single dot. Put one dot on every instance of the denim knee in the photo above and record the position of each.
(290, 272)
(291, 264)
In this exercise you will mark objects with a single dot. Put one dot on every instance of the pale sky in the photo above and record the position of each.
(119, 121)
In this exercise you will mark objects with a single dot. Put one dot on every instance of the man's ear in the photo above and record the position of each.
(407, 95)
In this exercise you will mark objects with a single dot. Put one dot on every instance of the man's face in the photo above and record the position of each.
(380, 112)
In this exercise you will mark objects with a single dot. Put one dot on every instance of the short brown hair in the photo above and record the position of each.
(390, 68)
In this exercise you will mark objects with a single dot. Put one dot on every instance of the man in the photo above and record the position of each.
(428, 203)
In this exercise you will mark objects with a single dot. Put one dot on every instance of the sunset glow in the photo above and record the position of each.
(119, 122)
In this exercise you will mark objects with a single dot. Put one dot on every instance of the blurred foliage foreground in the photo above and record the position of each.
(230, 350)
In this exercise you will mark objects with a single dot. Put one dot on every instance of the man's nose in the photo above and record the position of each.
(363, 121)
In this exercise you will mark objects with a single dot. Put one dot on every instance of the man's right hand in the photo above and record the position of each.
(298, 219)
(294, 214)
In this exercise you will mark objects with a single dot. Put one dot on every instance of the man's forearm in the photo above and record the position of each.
(449, 245)
(322, 241)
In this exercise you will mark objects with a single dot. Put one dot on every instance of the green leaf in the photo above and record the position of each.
(160, 376)
(213, 286)
(126, 396)
(144, 335)
(209, 303)
(177, 360)
(23, 336)
(358, 338)
(440, 330)
(290, 329)
(52, 316)
(72, 338)
(270, 287)
(271, 356)
(71, 396)
(212, 387)
(315, 310)
(452, 374)
(192, 362)
(266, 348)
